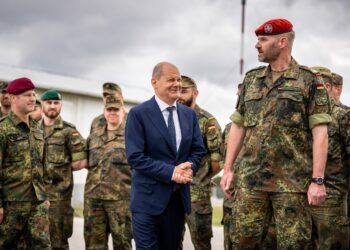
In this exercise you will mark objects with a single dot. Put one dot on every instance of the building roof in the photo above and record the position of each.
(46, 80)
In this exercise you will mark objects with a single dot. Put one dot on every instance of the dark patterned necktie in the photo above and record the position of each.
(171, 126)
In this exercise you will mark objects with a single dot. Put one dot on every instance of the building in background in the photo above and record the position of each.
(82, 102)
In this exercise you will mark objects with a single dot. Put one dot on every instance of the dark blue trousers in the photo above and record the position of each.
(160, 232)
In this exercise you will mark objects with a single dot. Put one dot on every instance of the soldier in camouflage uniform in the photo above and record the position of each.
(23, 199)
(64, 153)
(200, 219)
(109, 89)
(279, 124)
(4, 100)
(338, 84)
(108, 184)
(227, 220)
(330, 217)
(37, 114)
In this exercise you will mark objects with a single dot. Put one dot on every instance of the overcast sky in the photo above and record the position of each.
(121, 41)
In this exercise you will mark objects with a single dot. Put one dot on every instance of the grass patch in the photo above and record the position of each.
(78, 212)
(217, 215)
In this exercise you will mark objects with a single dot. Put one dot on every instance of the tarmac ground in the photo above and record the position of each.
(76, 242)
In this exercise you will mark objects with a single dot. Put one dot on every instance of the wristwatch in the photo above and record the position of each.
(318, 180)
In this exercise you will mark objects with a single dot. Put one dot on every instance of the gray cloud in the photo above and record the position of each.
(101, 38)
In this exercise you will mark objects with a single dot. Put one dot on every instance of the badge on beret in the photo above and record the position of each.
(268, 28)
(274, 27)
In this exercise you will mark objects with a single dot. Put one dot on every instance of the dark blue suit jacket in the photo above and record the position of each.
(149, 153)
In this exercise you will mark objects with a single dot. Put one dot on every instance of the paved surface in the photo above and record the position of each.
(76, 242)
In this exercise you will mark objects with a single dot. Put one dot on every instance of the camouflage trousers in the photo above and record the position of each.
(61, 223)
(200, 227)
(227, 224)
(331, 223)
(26, 220)
(252, 211)
(102, 217)
(270, 241)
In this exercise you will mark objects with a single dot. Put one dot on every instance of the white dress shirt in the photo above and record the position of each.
(163, 108)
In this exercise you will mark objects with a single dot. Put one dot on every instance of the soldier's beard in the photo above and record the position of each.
(52, 114)
(6, 103)
(188, 102)
(270, 55)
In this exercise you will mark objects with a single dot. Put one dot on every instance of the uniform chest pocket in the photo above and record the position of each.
(18, 145)
(290, 109)
(290, 93)
(118, 156)
(56, 151)
(253, 104)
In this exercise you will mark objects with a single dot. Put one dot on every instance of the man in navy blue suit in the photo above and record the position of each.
(164, 147)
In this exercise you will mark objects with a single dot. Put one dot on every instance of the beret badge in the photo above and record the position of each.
(268, 28)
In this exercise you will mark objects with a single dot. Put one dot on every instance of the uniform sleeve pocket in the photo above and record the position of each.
(252, 96)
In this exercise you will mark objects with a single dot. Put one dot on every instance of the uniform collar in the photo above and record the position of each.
(58, 123)
(292, 72)
(197, 109)
(15, 119)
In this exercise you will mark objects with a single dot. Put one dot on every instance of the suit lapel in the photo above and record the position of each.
(157, 119)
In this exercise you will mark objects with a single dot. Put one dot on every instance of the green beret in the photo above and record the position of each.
(111, 88)
(337, 79)
(325, 72)
(3, 86)
(112, 102)
(51, 94)
(188, 82)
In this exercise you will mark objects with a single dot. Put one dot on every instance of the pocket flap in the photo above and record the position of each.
(253, 96)
(291, 94)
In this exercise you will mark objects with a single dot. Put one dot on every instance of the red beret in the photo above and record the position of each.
(19, 86)
(274, 27)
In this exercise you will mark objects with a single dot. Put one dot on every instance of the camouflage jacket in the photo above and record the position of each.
(21, 155)
(1, 113)
(109, 175)
(211, 134)
(342, 105)
(337, 171)
(100, 122)
(276, 155)
(63, 145)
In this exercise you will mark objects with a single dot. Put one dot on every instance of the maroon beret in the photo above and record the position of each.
(19, 86)
(274, 27)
